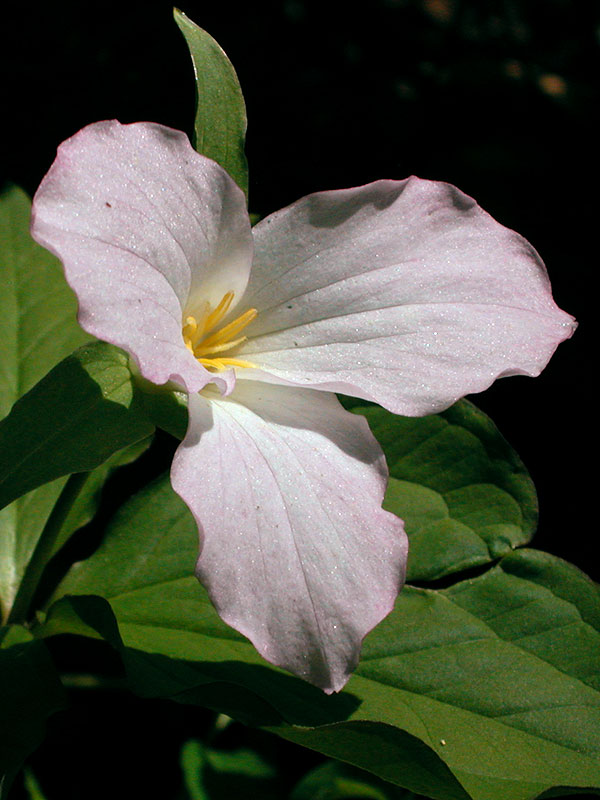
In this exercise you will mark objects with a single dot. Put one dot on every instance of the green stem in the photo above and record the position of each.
(88, 680)
(45, 547)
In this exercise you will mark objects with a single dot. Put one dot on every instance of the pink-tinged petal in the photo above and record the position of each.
(295, 550)
(147, 230)
(402, 292)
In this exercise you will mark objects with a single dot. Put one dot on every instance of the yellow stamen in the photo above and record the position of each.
(189, 332)
(230, 330)
(217, 315)
(194, 330)
(223, 363)
(220, 348)
(190, 327)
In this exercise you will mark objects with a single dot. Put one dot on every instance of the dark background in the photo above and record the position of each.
(496, 97)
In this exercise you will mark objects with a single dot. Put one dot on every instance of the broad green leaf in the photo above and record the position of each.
(29, 692)
(83, 411)
(487, 689)
(464, 494)
(220, 124)
(38, 328)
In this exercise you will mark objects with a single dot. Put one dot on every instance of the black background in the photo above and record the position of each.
(496, 97)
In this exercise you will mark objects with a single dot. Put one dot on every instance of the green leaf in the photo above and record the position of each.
(74, 507)
(88, 499)
(385, 750)
(21, 524)
(487, 689)
(499, 675)
(29, 692)
(464, 494)
(220, 124)
(38, 328)
(38, 325)
(336, 781)
(81, 413)
(212, 773)
(168, 410)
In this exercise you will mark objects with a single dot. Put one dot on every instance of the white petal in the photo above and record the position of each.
(147, 230)
(402, 292)
(296, 552)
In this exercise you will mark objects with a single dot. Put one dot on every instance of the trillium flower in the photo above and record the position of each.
(404, 293)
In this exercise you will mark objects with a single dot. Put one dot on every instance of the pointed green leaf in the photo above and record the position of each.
(487, 689)
(462, 491)
(220, 124)
(83, 411)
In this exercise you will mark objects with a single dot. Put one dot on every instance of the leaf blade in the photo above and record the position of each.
(38, 328)
(464, 495)
(94, 408)
(220, 122)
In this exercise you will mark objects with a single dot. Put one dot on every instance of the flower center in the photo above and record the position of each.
(207, 346)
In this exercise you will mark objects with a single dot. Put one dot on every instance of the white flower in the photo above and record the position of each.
(405, 293)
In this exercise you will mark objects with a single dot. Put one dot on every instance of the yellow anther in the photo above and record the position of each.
(220, 341)
(189, 332)
(190, 327)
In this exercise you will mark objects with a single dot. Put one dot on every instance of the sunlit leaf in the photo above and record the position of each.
(220, 124)
(462, 491)
(38, 328)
